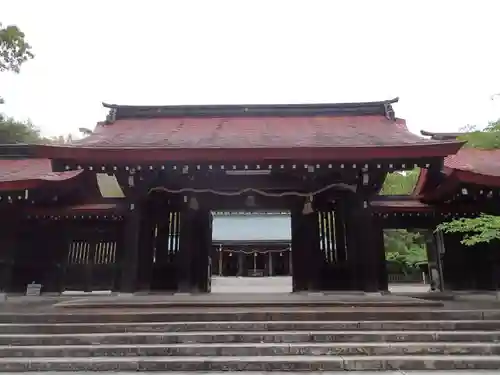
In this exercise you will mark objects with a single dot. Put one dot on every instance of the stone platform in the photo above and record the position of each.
(248, 292)
(432, 372)
(161, 301)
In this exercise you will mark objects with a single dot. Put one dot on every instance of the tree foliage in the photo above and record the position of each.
(14, 49)
(400, 183)
(14, 52)
(405, 249)
(12, 131)
(483, 228)
(486, 139)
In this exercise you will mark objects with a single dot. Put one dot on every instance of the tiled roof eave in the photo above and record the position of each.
(476, 178)
(35, 181)
(351, 152)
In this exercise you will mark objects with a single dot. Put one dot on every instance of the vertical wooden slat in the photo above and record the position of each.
(176, 236)
(322, 238)
(155, 243)
(332, 236)
(328, 236)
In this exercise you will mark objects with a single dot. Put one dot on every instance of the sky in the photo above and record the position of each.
(441, 58)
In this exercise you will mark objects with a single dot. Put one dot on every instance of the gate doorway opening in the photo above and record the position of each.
(251, 252)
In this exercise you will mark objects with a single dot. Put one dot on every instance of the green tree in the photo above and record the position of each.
(12, 131)
(400, 183)
(486, 139)
(14, 52)
(14, 49)
(484, 228)
(404, 248)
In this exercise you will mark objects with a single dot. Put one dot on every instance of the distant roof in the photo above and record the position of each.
(441, 136)
(248, 228)
(468, 165)
(475, 166)
(345, 131)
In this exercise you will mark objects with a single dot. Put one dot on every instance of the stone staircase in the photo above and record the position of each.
(250, 340)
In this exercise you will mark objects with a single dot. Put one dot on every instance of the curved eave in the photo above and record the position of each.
(345, 153)
(87, 209)
(441, 136)
(473, 178)
(46, 180)
(401, 205)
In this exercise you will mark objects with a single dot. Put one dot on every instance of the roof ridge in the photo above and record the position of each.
(383, 108)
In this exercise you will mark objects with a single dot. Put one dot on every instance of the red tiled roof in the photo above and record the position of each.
(250, 132)
(468, 165)
(475, 166)
(19, 174)
(180, 138)
(484, 162)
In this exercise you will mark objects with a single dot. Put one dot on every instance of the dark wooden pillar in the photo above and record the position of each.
(299, 257)
(57, 252)
(9, 244)
(339, 273)
(340, 242)
(241, 264)
(494, 247)
(351, 232)
(306, 252)
(269, 264)
(379, 247)
(455, 274)
(202, 251)
(189, 242)
(130, 256)
(146, 251)
(366, 262)
(481, 265)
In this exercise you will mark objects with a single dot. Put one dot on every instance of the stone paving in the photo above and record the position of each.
(257, 289)
(251, 285)
(283, 284)
(433, 372)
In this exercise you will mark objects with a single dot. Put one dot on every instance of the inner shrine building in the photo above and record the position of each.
(130, 207)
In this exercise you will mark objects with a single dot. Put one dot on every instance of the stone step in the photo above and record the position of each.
(231, 301)
(255, 349)
(250, 363)
(142, 338)
(247, 314)
(408, 325)
(367, 372)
